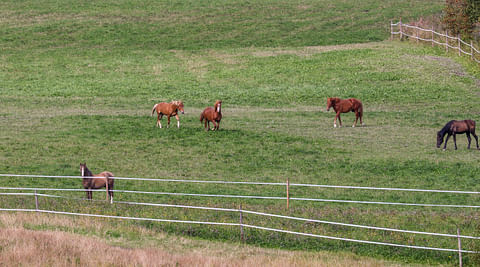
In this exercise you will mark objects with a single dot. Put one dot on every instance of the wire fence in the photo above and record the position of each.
(241, 211)
(430, 35)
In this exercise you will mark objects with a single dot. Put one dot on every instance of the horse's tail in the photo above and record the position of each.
(153, 109)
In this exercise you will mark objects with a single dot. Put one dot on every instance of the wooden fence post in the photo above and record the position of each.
(242, 236)
(471, 48)
(459, 45)
(36, 201)
(446, 41)
(416, 32)
(391, 30)
(433, 43)
(401, 31)
(459, 248)
(288, 193)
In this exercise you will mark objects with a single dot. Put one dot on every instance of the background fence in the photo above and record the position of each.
(34, 192)
(430, 35)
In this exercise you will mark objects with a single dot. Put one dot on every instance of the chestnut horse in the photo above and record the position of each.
(212, 114)
(457, 127)
(344, 106)
(95, 183)
(168, 109)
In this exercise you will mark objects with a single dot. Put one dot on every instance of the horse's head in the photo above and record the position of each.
(84, 170)
(218, 106)
(179, 105)
(83, 167)
(439, 139)
(330, 102)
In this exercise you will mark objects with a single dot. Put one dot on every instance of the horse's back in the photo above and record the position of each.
(106, 174)
(470, 125)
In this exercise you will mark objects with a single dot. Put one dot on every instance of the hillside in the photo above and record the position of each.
(78, 82)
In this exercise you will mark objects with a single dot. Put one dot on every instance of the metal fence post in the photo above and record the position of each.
(459, 248)
(36, 200)
(242, 235)
(288, 193)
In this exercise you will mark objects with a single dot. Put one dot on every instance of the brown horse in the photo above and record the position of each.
(457, 127)
(344, 106)
(168, 109)
(212, 114)
(90, 183)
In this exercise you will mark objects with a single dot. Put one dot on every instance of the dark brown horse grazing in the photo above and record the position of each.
(344, 106)
(168, 109)
(212, 114)
(96, 183)
(457, 127)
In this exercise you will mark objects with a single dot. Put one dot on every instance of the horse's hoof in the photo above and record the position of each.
(444, 149)
(353, 126)
(334, 126)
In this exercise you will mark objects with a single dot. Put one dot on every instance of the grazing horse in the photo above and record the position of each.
(212, 114)
(96, 183)
(169, 109)
(457, 127)
(344, 106)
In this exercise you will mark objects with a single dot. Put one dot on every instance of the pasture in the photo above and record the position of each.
(78, 83)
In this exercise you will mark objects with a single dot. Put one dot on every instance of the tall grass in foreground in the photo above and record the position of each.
(83, 242)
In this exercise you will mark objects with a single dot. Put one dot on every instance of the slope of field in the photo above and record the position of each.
(78, 81)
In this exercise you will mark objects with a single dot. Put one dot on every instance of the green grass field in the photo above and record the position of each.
(78, 81)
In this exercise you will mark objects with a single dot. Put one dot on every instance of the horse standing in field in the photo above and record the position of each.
(90, 183)
(344, 106)
(457, 127)
(212, 114)
(168, 109)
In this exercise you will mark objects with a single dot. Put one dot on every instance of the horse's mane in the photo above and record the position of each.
(445, 128)
(88, 172)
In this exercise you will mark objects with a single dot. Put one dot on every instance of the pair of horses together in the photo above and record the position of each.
(209, 114)
(452, 128)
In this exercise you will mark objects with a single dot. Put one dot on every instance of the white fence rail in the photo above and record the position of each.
(442, 39)
(241, 224)
(247, 197)
(287, 184)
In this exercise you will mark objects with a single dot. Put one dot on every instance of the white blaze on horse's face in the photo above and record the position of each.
(218, 107)
(82, 169)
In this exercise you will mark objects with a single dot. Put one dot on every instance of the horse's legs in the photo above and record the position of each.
(446, 140)
(356, 119)
(110, 192)
(339, 120)
(469, 139)
(214, 125)
(159, 120)
(168, 124)
(335, 121)
(89, 193)
(218, 125)
(207, 125)
(455, 140)
(178, 121)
